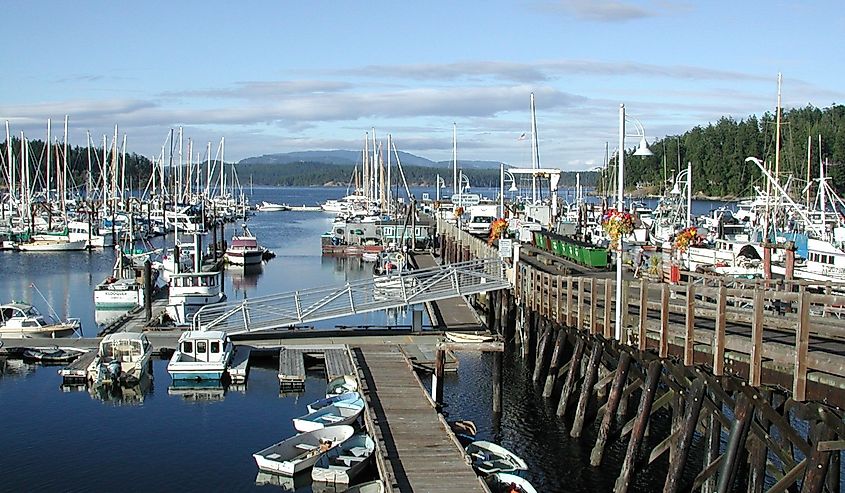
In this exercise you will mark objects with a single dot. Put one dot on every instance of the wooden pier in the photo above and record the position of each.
(416, 449)
(748, 365)
(292, 363)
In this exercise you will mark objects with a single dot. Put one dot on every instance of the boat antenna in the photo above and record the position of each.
(52, 310)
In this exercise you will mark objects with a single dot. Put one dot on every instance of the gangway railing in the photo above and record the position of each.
(367, 295)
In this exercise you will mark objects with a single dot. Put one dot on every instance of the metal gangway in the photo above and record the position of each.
(368, 295)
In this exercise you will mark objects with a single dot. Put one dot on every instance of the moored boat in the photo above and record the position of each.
(339, 413)
(52, 355)
(301, 452)
(189, 292)
(489, 458)
(376, 486)
(342, 464)
(271, 207)
(201, 355)
(122, 357)
(319, 404)
(502, 482)
(244, 249)
(341, 385)
(469, 336)
(19, 320)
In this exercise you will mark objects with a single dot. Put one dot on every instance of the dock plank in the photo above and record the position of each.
(338, 363)
(291, 367)
(412, 437)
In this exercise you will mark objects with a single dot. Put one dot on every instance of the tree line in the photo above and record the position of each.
(717, 152)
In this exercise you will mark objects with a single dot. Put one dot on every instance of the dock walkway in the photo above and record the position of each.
(417, 448)
(452, 313)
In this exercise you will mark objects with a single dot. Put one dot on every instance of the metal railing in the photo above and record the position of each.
(368, 295)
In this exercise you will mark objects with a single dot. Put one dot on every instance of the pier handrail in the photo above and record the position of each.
(366, 295)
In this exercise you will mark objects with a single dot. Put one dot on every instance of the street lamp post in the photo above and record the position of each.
(642, 150)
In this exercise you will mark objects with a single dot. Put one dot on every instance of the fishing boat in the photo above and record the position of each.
(189, 292)
(244, 249)
(502, 482)
(339, 413)
(469, 336)
(341, 385)
(342, 464)
(489, 458)
(19, 320)
(319, 404)
(271, 207)
(124, 289)
(201, 355)
(300, 452)
(123, 357)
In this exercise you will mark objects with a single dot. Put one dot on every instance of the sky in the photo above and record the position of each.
(281, 76)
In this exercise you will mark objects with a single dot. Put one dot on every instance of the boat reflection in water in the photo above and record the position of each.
(244, 277)
(13, 367)
(117, 395)
(299, 483)
(199, 390)
(105, 316)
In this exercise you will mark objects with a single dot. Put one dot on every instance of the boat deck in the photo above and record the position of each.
(416, 449)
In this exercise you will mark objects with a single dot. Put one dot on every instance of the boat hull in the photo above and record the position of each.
(300, 452)
(252, 257)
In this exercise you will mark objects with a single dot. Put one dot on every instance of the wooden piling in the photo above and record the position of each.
(819, 461)
(712, 445)
(542, 350)
(694, 400)
(587, 389)
(497, 382)
(148, 290)
(554, 363)
(643, 414)
(437, 376)
(736, 440)
(571, 376)
(611, 407)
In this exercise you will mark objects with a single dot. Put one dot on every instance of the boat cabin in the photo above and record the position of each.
(21, 315)
(206, 346)
(194, 281)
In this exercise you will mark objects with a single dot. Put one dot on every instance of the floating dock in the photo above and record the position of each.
(77, 370)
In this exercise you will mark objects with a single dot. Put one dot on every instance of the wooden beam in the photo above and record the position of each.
(719, 336)
(571, 376)
(587, 389)
(608, 298)
(689, 335)
(802, 345)
(642, 340)
(755, 368)
(616, 391)
(663, 349)
(694, 400)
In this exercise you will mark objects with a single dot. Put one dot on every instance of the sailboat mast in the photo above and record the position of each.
(48, 161)
(535, 151)
(454, 158)
(365, 167)
(777, 135)
(374, 176)
(64, 175)
(389, 144)
(809, 164)
(11, 163)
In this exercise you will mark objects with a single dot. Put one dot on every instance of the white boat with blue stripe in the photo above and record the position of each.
(201, 355)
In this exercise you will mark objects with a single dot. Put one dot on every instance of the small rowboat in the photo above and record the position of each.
(489, 458)
(469, 336)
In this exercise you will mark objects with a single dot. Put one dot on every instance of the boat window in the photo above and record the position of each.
(187, 347)
(215, 347)
(339, 231)
(201, 347)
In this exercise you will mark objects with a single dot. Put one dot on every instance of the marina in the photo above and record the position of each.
(410, 368)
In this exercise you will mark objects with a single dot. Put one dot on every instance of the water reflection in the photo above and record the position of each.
(103, 316)
(244, 277)
(201, 390)
(118, 395)
(13, 367)
(300, 483)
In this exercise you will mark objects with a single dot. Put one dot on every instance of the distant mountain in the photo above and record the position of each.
(342, 157)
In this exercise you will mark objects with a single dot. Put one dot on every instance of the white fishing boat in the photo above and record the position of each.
(45, 243)
(341, 385)
(201, 355)
(124, 289)
(123, 357)
(502, 482)
(79, 230)
(189, 292)
(488, 458)
(342, 464)
(19, 320)
(300, 452)
(271, 207)
(244, 249)
(469, 336)
(339, 413)
(319, 404)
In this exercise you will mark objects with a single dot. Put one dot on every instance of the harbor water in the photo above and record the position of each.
(156, 438)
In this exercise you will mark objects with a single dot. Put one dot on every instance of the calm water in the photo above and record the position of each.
(152, 438)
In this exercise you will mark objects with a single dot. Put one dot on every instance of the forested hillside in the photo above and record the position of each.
(718, 151)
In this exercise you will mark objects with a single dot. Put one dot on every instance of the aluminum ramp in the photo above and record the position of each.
(368, 295)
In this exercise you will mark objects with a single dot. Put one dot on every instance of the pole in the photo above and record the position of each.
(620, 206)
(502, 190)
(689, 193)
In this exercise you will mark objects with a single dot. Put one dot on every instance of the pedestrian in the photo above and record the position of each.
(640, 260)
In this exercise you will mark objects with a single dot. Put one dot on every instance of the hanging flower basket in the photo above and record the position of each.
(686, 238)
(617, 224)
(497, 230)
(459, 211)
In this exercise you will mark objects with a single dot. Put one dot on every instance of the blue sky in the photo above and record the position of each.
(279, 76)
